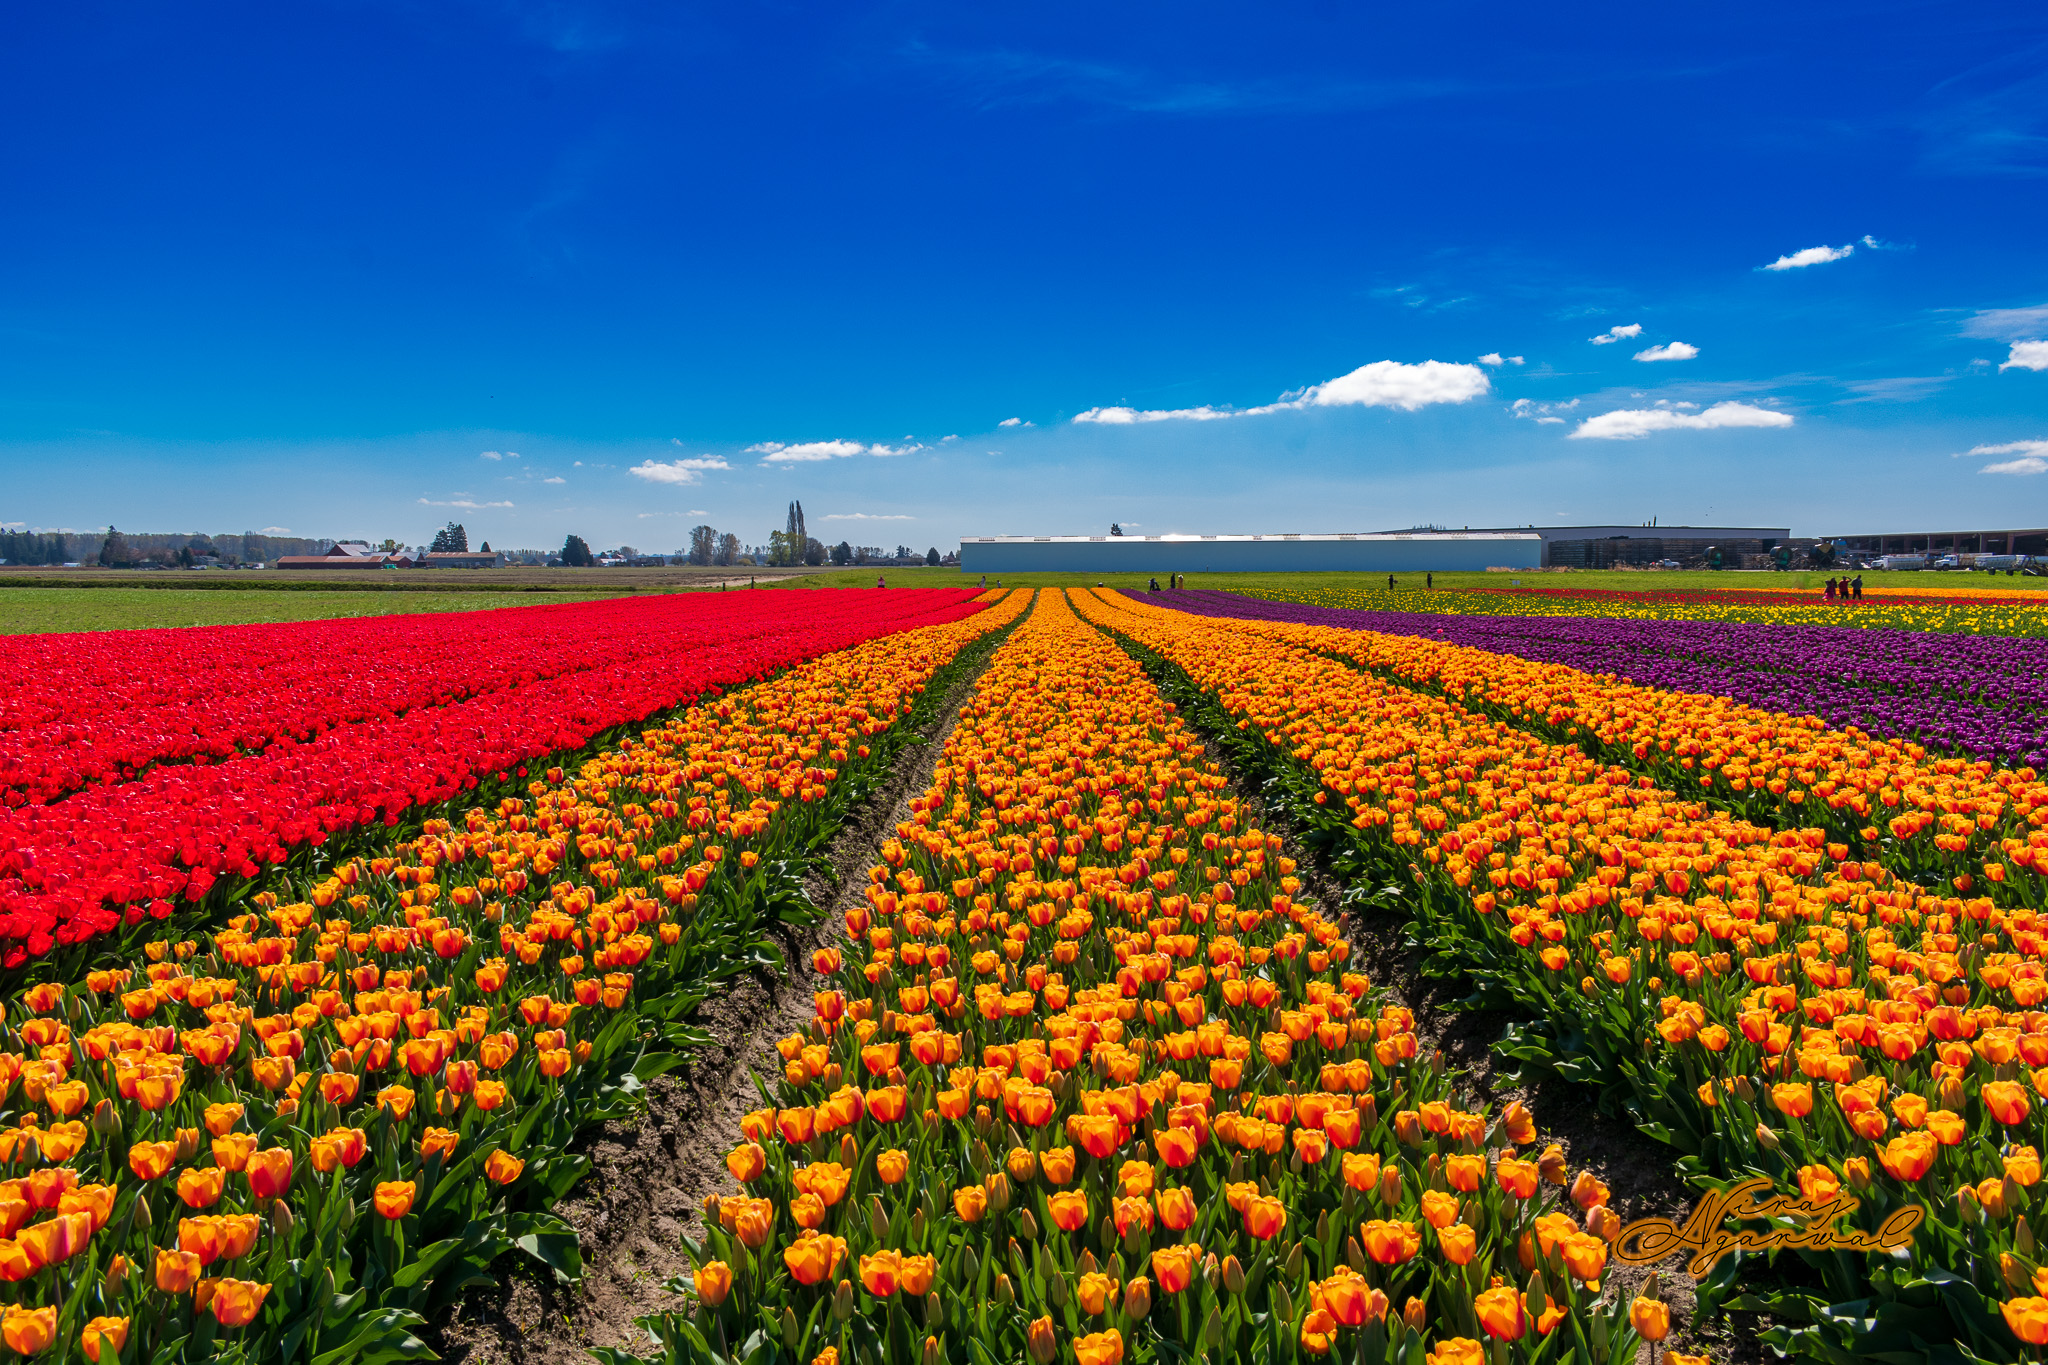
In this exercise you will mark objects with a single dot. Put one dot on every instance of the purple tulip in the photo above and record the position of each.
(1985, 696)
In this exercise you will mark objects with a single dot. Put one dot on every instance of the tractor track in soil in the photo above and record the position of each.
(650, 1176)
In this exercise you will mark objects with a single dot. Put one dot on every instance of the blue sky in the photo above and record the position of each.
(304, 266)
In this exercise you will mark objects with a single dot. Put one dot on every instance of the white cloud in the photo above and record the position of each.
(2033, 457)
(1614, 334)
(1496, 358)
(1391, 384)
(557, 479)
(277, 530)
(2008, 324)
(863, 516)
(1813, 255)
(674, 471)
(1677, 350)
(1540, 413)
(469, 503)
(1013, 422)
(2027, 355)
(1381, 384)
(1123, 417)
(803, 452)
(489, 455)
(1627, 424)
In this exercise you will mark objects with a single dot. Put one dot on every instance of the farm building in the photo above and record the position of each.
(1391, 552)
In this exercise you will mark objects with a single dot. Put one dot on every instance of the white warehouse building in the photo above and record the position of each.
(1387, 552)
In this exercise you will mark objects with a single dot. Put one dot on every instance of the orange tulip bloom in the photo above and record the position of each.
(111, 1333)
(813, 1257)
(1518, 1178)
(151, 1160)
(1457, 1351)
(1176, 1208)
(1389, 1242)
(1056, 1164)
(747, 1162)
(916, 1273)
(270, 1173)
(971, 1203)
(1501, 1313)
(2006, 1101)
(441, 1140)
(393, 1198)
(1068, 1209)
(1174, 1267)
(892, 1165)
(714, 1283)
(2028, 1319)
(1465, 1172)
(1318, 1331)
(1651, 1319)
(1458, 1243)
(340, 1087)
(1263, 1217)
(880, 1272)
(236, 1303)
(1104, 1348)
(177, 1271)
(199, 1188)
(502, 1167)
(29, 1330)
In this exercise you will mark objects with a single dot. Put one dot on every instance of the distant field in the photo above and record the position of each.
(1611, 580)
(42, 600)
(27, 611)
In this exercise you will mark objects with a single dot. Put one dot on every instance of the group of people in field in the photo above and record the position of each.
(1845, 589)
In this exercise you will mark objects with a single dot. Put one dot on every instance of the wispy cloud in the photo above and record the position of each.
(2007, 324)
(1990, 119)
(2027, 355)
(1675, 350)
(1543, 414)
(277, 530)
(470, 503)
(864, 516)
(807, 452)
(1628, 424)
(1013, 422)
(497, 455)
(1902, 389)
(1496, 358)
(1614, 334)
(556, 479)
(999, 78)
(1813, 255)
(2033, 457)
(687, 471)
(1382, 384)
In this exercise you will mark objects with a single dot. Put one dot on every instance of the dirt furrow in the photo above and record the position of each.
(650, 1177)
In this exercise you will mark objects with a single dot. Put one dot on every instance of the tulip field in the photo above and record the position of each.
(324, 944)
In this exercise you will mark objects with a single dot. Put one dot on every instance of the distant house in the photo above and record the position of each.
(461, 559)
(347, 555)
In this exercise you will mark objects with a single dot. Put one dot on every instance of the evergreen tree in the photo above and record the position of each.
(114, 551)
(486, 548)
(450, 539)
(931, 557)
(576, 553)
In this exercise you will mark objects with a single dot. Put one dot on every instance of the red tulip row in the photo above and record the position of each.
(115, 855)
(105, 708)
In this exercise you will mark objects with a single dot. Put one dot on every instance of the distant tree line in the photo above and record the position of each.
(131, 548)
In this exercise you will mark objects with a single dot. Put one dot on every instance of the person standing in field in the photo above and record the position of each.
(1858, 585)
(1429, 582)
(1831, 590)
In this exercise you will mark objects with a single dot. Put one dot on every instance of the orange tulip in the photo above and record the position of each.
(1068, 1209)
(393, 1198)
(201, 1188)
(1104, 1348)
(892, 1165)
(151, 1160)
(29, 1330)
(714, 1283)
(1500, 1312)
(236, 1303)
(1390, 1243)
(880, 1273)
(111, 1333)
(177, 1271)
(813, 1257)
(502, 1167)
